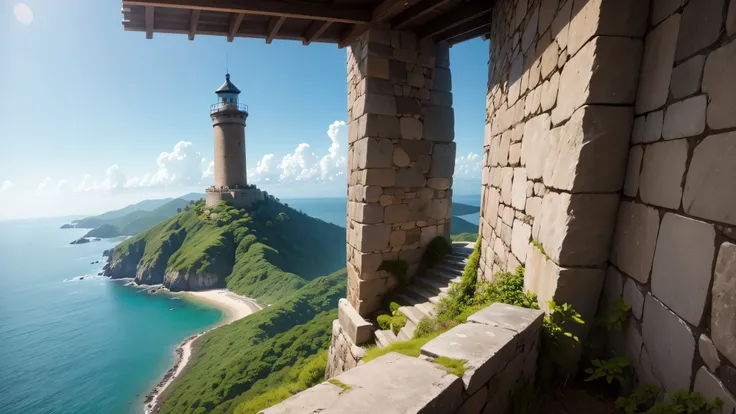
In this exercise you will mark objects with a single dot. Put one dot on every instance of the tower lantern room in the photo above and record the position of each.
(227, 93)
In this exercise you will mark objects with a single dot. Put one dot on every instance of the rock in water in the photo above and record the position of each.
(67, 226)
(80, 240)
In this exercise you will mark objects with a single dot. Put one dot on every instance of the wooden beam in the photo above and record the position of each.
(314, 30)
(472, 34)
(416, 12)
(470, 11)
(390, 8)
(273, 28)
(299, 9)
(193, 23)
(482, 22)
(149, 22)
(235, 21)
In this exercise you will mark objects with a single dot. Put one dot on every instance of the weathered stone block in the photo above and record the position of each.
(474, 404)
(549, 92)
(631, 184)
(635, 239)
(661, 173)
(685, 118)
(723, 317)
(373, 153)
(441, 98)
(410, 177)
(372, 103)
(710, 387)
(637, 131)
(709, 190)
(376, 67)
(700, 26)
(383, 177)
(682, 263)
(580, 287)
(358, 329)
(518, 189)
(598, 17)
(720, 86)
(670, 343)
(604, 71)
(662, 9)
(401, 158)
(410, 128)
(709, 353)
(443, 160)
(560, 28)
(396, 213)
(547, 11)
(613, 285)
(371, 237)
(533, 146)
(653, 127)
(520, 235)
(589, 153)
(368, 213)
(576, 229)
(686, 77)
(513, 318)
(486, 349)
(656, 66)
(442, 80)
(439, 183)
(439, 124)
(633, 297)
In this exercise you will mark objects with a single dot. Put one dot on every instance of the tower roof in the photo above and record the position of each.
(228, 86)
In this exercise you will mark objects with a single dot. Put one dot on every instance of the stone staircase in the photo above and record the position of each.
(420, 297)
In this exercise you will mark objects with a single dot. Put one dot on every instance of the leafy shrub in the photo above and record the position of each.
(618, 312)
(610, 369)
(642, 401)
(436, 251)
(384, 321)
(426, 325)
(556, 340)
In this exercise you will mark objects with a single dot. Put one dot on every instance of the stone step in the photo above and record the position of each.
(453, 264)
(431, 284)
(442, 267)
(442, 277)
(384, 338)
(413, 314)
(427, 309)
(406, 333)
(406, 300)
(422, 293)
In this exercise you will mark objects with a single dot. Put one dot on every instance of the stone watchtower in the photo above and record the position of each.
(228, 121)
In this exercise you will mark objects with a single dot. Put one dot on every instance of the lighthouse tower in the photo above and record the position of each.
(228, 122)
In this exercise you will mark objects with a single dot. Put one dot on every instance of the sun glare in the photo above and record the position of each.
(23, 13)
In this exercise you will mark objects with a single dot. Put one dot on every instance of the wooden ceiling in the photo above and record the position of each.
(327, 21)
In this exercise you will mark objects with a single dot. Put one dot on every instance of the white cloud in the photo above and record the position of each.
(44, 185)
(303, 165)
(468, 166)
(23, 13)
(5, 186)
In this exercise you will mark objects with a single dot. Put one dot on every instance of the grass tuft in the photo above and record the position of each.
(452, 366)
(345, 387)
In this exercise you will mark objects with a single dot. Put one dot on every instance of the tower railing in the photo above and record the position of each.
(220, 106)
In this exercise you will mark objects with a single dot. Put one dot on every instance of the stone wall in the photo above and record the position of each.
(499, 343)
(401, 156)
(561, 89)
(241, 198)
(673, 257)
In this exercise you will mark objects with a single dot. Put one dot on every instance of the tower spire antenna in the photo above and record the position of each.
(227, 70)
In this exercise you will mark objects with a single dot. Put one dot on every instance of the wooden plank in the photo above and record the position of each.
(390, 8)
(149, 22)
(416, 12)
(293, 8)
(472, 34)
(314, 31)
(462, 29)
(193, 22)
(273, 28)
(456, 17)
(235, 21)
(250, 33)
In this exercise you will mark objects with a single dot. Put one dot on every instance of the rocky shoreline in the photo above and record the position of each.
(151, 403)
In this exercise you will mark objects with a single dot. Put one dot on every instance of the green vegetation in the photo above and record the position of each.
(609, 369)
(410, 348)
(539, 246)
(134, 219)
(452, 366)
(105, 231)
(234, 248)
(398, 268)
(616, 314)
(464, 237)
(395, 321)
(461, 209)
(258, 356)
(345, 387)
(642, 400)
(436, 251)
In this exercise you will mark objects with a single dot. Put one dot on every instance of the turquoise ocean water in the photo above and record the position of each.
(92, 345)
(79, 346)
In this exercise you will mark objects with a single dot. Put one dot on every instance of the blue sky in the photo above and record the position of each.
(94, 117)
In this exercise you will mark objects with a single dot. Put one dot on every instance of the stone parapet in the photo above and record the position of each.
(343, 354)
(499, 344)
(240, 198)
(401, 156)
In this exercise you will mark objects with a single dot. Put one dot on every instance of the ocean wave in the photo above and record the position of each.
(175, 298)
(85, 277)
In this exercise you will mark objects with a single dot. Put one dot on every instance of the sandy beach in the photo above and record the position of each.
(235, 307)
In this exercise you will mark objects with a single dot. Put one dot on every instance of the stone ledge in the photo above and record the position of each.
(358, 329)
(390, 384)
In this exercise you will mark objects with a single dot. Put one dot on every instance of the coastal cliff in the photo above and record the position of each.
(266, 252)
